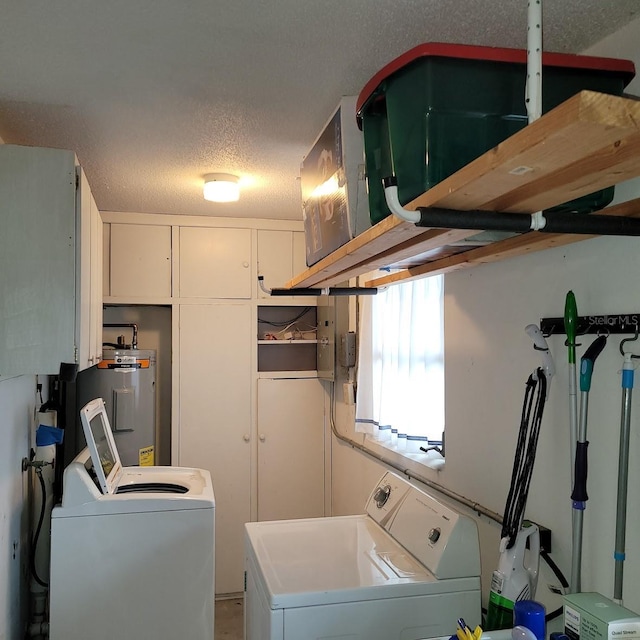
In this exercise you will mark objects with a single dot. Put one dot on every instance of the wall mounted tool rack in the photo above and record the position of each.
(588, 143)
(607, 324)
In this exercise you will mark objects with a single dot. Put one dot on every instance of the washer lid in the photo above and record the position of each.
(138, 489)
(341, 559)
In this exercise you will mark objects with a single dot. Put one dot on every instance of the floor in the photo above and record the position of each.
(228, 623)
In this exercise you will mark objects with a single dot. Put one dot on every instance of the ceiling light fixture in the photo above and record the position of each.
(221, 187)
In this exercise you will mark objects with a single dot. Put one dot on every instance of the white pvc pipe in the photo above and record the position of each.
(534, 60)
(393, 202)
(533, 93)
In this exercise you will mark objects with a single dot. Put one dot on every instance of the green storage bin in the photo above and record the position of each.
(439, 106)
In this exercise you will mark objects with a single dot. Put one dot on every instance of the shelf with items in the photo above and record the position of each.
(287, 338)
(589, 142)
(286, 342)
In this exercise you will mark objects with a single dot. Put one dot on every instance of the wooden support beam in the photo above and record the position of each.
(587, 143)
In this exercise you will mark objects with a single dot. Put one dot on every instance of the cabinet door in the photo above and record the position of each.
(37, 259)
(299, 253)
(96, 281)
(88, 276)
(291, 458)
(275, 258)
(215, 420)
(140, 261)
(281, 256)
(215, 263)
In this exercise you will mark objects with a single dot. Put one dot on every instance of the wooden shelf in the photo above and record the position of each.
(275, 342)
(589, 142)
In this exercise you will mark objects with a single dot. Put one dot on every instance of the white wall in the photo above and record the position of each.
(488, 359)
(17, 403)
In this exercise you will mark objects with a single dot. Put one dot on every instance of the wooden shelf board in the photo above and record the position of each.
(517, 246)
(589, 142)
(279, 342)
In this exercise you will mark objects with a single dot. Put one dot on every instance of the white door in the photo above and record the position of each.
(140, 261)
(215, 263)
(215, 421)
(290, 448)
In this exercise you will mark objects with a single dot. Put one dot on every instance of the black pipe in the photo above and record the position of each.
(134, 328)
(332, 291)
(556, 222)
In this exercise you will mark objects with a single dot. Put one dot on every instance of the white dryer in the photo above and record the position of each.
(132, 549)
(407, 569)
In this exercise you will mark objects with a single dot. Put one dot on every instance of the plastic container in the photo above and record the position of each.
(531, 615)
(439, 106)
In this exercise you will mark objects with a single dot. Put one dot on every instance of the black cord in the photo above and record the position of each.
(525, 455)
(284, 323)
(563, 581)
(34, 544)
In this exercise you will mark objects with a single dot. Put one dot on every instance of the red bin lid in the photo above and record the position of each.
(624, 68)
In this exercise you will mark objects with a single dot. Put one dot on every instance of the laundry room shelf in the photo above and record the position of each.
(286, 342)
(589, 142)
(287, 356)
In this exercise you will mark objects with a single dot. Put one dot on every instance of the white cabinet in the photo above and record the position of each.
(88, 275)
(287, 340)
(50, 282)
(215, 420)
(291, 459)
(140, 261)
(215, 263)
(281, 256)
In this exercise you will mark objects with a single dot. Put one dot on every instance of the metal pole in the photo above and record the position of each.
(623, 467)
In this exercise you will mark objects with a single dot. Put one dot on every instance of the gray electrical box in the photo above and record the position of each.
(347, 352)
(326, 338)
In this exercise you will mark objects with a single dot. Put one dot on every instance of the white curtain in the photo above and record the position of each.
(400, 384)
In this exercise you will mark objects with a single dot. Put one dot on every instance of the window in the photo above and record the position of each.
(400, 392)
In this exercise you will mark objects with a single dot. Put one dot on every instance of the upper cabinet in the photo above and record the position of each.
(215, 263)
(281, 255)
(88, 274)
(50, 279)
(140, 261)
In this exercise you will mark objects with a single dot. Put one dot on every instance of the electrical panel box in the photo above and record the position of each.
(326, 339)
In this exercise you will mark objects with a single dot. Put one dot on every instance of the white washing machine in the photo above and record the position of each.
(132, 549)
(407, 569)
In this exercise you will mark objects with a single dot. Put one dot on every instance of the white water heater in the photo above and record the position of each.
(125, 380)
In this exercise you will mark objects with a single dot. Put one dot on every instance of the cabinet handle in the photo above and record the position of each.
(245, 264)
(246, 437)
(262, 437)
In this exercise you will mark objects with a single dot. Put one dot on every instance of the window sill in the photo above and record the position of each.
(414, 461)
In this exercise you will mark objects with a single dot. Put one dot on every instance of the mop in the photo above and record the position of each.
(570, 322)
(515, 578)
(579, 495)
(623, 468)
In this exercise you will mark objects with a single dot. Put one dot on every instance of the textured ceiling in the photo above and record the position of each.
(153, 94)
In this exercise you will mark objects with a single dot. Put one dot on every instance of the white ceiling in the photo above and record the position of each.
(153, 94)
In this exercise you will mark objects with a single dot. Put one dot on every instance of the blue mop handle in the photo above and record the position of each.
(587, 362)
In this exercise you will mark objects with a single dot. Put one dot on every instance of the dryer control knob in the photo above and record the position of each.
(382, 495)
(434, 535)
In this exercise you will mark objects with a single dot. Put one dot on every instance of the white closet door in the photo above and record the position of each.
(290, 448)
(215, 421)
